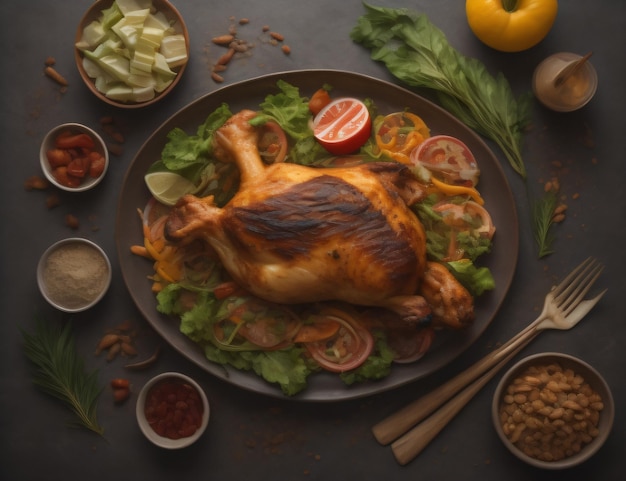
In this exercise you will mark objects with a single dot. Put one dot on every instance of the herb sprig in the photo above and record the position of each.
(60, 372)
(543, 218)
(418, 53)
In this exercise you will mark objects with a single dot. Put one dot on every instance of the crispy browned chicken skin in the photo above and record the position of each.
(294, 234)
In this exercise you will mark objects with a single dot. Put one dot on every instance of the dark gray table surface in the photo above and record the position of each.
(252, 436)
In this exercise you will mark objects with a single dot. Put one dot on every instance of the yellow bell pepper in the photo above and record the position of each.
(511, 25)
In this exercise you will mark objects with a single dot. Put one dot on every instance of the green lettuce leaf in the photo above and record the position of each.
(476, 279)
(183, 151)
(418, 53)
(288, 109)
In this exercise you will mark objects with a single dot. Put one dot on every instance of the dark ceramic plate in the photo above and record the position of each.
(388, 98)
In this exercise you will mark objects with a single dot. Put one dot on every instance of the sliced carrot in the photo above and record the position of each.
(150, 248)
(140, 251)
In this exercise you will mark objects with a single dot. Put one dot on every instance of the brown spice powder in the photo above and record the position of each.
(74, 275)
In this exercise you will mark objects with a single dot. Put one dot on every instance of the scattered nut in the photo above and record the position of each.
(225, 58)
(240, 47)
(36, 182)
(120, 383)
(52, 201)
(115, 149)
(118, 341)
(128, 349)
(223, 39)
(121, 394)
(109, 127)
(217, 77)
(113, 351)
(72, 221)
(555, 418)
(106, 342)
(56, 76)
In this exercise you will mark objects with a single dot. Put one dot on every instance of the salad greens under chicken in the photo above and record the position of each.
(287, 344)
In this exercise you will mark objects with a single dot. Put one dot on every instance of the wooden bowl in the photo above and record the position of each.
(94, 12)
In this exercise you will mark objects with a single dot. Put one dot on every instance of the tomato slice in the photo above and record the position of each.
(399, 133)
(263, 324)
(347, 349)
(343, 126)
(447, 158)
(468, 216)
(273, 143)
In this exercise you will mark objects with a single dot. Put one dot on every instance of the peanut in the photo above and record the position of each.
(114, 350)
(106, 342)
(223, 39)
(225, 58)
(56, 76)
(550, 413)
(277, 36)
(72, 221)
(128, 348)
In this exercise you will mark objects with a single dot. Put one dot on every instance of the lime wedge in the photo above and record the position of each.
(168, 187)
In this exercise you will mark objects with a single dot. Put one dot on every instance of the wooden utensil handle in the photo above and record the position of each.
(407, 447)
(400, 422)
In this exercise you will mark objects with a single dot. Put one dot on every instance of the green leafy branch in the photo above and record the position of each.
(418, 54)
(60, 372)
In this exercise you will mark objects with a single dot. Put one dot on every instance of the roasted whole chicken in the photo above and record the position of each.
(294, 234)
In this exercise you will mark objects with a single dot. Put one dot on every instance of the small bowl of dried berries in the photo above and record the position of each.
(74, 157)
(172, 410)
(553, 411)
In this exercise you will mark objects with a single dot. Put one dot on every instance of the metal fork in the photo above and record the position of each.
(563, 308)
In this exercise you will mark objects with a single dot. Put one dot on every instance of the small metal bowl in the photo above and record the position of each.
(93, 13)
(74, 274)
(546, 423)
(48, 144)
(163, 440)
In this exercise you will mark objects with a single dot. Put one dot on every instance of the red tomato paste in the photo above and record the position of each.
(174, 409)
